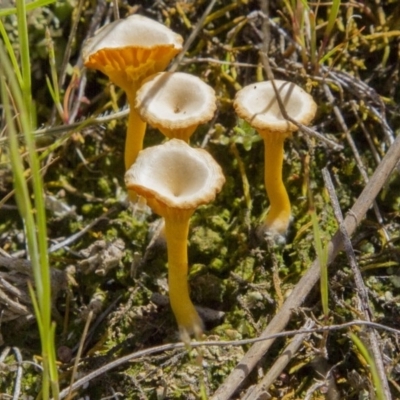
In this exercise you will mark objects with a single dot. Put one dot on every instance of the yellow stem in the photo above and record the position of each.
(278, 217)
(134, 134)
(176, 231)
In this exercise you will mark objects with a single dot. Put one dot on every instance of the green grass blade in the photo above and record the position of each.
(25, 58)
(53, 68)
(322, 255)
(53, 363)
(22, 197)
(11, 53)
(313, 38)
(36, 308)
(333, 13)
(25, 105)
(20, 185)
(372, 366)
(44, 297)
(29, 7)
(33, 216)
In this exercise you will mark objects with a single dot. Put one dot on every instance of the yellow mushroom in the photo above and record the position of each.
(175, 179)
(127, 51)
(257, 104)
(176, 103)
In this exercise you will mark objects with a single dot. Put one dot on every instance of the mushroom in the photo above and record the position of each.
(258, 105)
(176, 103)
(127, 51)
(175, 179)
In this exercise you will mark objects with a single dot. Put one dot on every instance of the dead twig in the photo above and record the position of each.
(76, 236)
(192, 37)
(18, 378)
(266, 64)
(360, 165)
(362, 291)
(174, 346)
(80, 349)
(307, 282)
(282, 361)
(15, 301)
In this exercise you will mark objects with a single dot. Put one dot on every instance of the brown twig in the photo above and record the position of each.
(266, 64)
(362, 291)
(282, 361)
(18, 378)
(340, 119)
(79, 234)
(78, 356)
(307, 282)
(192, 37)
(99, 12)
(174, 346)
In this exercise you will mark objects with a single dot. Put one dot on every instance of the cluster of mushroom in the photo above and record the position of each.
(173, 177)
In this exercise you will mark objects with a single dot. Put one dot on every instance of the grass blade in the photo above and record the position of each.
(322, 255)
(372, 366)
(29, 7)
(33, 214)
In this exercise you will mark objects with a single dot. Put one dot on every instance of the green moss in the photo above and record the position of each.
(104, 187)
(245, 268)
(217, 265)
(205, 241)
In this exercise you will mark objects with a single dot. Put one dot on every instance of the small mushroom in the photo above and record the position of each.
(258, 105)
(175, 179)
(127, 51)
(176, 103)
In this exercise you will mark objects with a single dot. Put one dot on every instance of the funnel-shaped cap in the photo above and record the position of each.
(258, 105)
(175, 176)
(128, 50)
(175, 103)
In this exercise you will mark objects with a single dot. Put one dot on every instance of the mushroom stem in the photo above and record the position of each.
(176, 231)
(175, 179)
(134, 134)
(258, 104)
(278, 217)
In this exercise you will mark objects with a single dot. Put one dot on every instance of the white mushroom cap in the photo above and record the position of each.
(258, 105)
(175, 175)
(175, 103)
(133, 31)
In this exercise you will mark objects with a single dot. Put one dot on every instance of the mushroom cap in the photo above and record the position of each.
(257, 104)
(175, 103)
(174, 176)
(127, 50)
